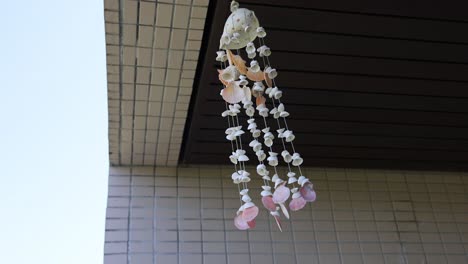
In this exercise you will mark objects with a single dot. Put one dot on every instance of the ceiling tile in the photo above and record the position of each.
(164, 15)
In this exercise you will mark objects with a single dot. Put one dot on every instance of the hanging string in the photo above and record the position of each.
(262, 42)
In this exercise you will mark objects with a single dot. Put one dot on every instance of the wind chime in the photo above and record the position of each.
(241, 83)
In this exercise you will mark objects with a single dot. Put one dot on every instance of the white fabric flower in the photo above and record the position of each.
(266, 191)
(260, 155)
(256, 133)
(258, 89)
(268, 137)
(252, 124)
(280, 132)
(286, 156)
(255, 145)
(243, 80)
(234, 132)
(275, 113)
(261, 170)
(288, 135)
(221, 56)
(250, 111)
(272, 73)
(292, 178)
(283, 113)
(250, 47)
(262, 110)
(238, 155)
(234, 6)
(277, 180)
(254, 67)
(272, 159)
(264, 51)
(302, 180)
(296, 159)
(261, 32)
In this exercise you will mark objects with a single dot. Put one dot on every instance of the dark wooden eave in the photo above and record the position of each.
(368, 84)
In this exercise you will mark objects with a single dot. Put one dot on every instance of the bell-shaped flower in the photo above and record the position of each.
(273, 159)
(234, 6)
(280, 133)
(247, 104)
(281, 111)
(272, 73)
(286, 156)
(256, 133)
(261, 32)
(261, 170)
(296, 159)
(260, 155)
(246, 198)
(243, 80)
(277, 180)
(255, 145)
(250, 111)
(254, 67)
(252, 124)
(274, 92)
(230, 74)
(264, 51)
(275, 113)
(250, 48)
(241, 155)
(244, 178)
(221, 56)
(262, 110)
(258, 89)
(266, 190)
(291, 177)
(302, 180)
(234, 132)
(268, 139)
(235, 109)
(238, 155)
(233, 158)
(236, 176)
(251, 55)
(289, 136)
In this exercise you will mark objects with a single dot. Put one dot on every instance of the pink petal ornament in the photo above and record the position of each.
(268, 203)
(308, 193)
(284, 210)
(297, 204)
(240, 223)
(233, 94)
(250, 213)
(252, 224)
(281, 194)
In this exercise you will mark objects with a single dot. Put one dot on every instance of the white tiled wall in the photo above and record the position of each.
(181, 215)
(152, 53)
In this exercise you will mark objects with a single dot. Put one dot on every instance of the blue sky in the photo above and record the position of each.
(53, 113)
